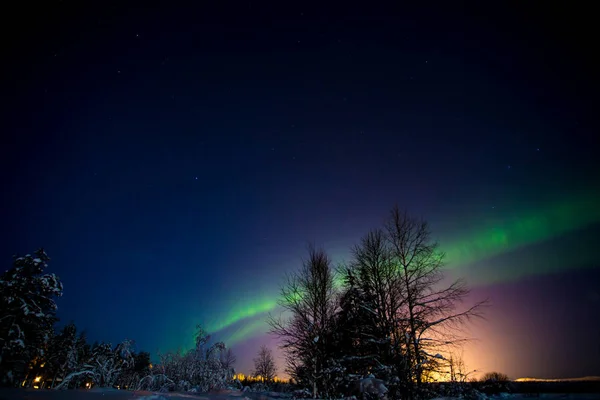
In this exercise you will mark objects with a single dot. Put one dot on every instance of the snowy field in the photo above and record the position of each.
(113, 394)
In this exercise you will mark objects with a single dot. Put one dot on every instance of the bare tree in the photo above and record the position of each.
(494, 377)
(264, 364)
(458, 369)
(395, 317)
(310, 298)
(228, 359)
(434, 321)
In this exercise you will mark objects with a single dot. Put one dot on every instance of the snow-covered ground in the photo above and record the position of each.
(113, 394)
(545, 396)
(93, 394)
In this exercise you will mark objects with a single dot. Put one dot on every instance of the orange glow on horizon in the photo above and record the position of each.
(258, 378)
(583, 379)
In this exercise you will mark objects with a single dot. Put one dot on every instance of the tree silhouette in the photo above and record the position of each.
(264, 364)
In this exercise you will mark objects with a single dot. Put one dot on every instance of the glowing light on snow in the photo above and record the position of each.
(257, 378)
(583, 379)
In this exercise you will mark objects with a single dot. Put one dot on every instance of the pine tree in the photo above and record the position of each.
(28, 312)
(372, 311)
(396, 319)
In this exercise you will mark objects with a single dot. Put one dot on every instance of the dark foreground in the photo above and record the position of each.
(113, 394)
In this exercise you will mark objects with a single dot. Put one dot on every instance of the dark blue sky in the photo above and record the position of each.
(175, 160)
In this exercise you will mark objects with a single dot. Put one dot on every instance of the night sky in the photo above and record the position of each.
(175, 161)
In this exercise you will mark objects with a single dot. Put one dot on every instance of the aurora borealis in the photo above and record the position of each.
(510, 232)
(492, 239)
(175, 162)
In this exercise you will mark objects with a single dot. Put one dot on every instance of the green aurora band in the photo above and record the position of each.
(248, 329)
(488, 239)
(242, 312)
(496, 237)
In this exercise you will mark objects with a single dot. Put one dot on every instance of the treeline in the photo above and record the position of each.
(384, 324)
(34, 354)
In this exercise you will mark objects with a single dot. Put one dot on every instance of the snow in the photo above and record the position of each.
(114, 394)
(549, 396)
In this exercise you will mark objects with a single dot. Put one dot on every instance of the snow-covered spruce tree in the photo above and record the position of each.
(433, 319)
(311, 300)
(27, 313)
(372, 310)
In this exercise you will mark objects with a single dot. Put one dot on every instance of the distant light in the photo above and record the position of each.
(37, 379)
